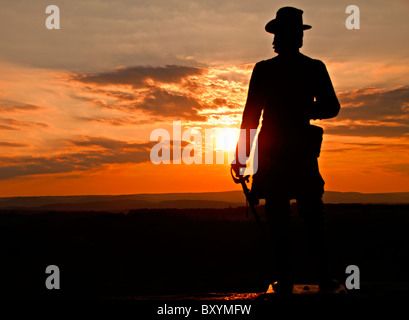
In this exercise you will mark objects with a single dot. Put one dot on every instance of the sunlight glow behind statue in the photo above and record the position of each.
(217, 147)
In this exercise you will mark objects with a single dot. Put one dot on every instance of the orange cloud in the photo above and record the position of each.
(19, 108)
(166, 92)
(372, 112)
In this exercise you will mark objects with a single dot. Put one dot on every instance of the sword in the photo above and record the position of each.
(242, 180)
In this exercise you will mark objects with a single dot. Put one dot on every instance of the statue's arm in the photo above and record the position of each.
(326, 104)
(252, 110)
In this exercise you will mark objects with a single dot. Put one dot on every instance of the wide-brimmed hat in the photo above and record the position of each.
(287, 18)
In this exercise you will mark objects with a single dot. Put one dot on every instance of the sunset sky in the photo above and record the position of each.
(78, 105)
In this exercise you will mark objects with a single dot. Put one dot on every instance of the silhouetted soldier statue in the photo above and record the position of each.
(288, 91)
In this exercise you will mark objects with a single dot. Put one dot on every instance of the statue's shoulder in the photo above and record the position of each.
(266, 64)
(315, 62)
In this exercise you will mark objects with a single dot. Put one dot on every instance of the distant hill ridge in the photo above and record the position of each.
(175, 200)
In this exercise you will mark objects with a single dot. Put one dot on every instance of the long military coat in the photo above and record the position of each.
(288, 91)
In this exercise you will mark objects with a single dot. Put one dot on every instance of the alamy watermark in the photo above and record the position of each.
(352, 21)
(353, 280)
(53, 280)
(215, 146)
(52, 22)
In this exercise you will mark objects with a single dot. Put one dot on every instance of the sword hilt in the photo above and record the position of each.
(238, 178)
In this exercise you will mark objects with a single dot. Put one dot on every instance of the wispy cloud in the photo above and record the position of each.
(372, 112)
(97, 152)
(14, 124)
(138, 76)
(19, 108)
(374, 103)
(117, 121)
(177, 92)
(85, 154)
(13, 144)
(109, 144)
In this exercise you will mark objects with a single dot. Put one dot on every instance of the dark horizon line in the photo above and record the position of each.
(190, 193)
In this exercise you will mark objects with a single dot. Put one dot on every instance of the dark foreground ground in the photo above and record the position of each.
(149, 254)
